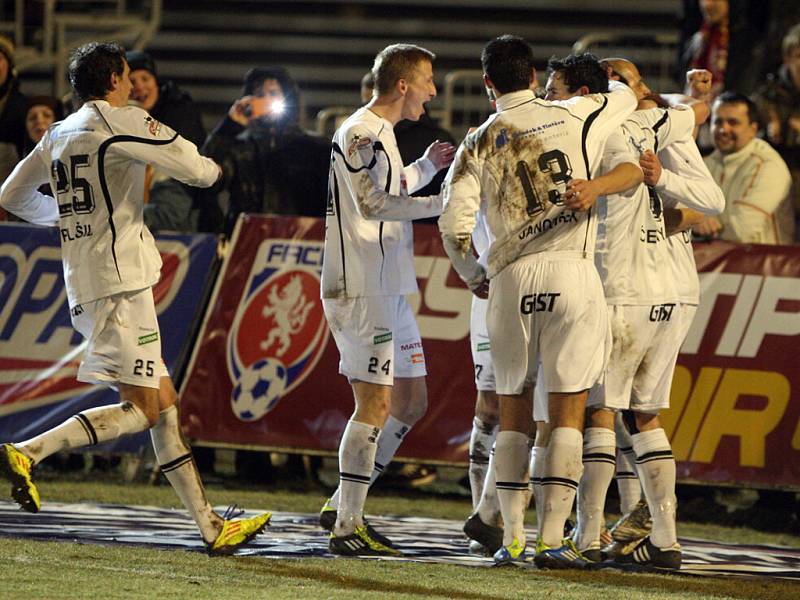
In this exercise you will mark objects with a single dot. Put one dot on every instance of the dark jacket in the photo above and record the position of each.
(176, 109)
(13, 109)
(270, 169)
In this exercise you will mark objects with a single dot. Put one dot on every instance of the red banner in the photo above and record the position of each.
(265, 369)
(735, 404)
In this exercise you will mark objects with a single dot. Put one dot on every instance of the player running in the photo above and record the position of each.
(368, 269)
(94, 161)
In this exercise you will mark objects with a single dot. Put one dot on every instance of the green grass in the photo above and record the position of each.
(64, 570)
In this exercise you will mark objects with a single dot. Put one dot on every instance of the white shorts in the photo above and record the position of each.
(124, 341)
(377, 337)
(541, 407)
(479, 344)
(646, 341)
(548, 307)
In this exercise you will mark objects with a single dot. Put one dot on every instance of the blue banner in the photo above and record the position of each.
(40, 352)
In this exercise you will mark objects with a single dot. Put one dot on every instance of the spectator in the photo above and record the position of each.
(779, 102)
(12, 111)
(42, 111)
(752, 175)
(725, 37)
(270, 164)
(170, 204)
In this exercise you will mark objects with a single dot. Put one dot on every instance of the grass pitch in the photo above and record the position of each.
(60, 570)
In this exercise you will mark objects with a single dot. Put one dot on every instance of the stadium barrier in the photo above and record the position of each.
(264, 369)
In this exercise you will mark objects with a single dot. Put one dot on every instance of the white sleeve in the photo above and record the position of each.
(462, 201)
(670, 125)
(369, 169)
(604, 112)
(20, 196)
(616, 152)
(154, 143)
(419, 174)
(685, 178)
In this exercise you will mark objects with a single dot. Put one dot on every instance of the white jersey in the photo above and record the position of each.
(94, 161)
(631, 238)
(686, 181)
(369, 244)
(521, 160)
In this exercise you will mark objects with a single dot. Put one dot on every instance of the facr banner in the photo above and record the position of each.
(265, 369)
(39, 350)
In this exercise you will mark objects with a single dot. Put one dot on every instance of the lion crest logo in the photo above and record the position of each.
(279, 332)
(289, 307)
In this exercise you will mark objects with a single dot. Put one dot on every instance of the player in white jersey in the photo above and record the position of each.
(368, 269)
(545, 299)
(631, 252)
(95, 163)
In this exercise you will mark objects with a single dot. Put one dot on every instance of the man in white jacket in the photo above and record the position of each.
(753, 176)
(95, 163)
(367, 271)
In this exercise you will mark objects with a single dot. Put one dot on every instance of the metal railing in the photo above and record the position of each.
(655, 55)
(65, 24)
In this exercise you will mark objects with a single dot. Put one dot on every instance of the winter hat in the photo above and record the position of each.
(141, 60)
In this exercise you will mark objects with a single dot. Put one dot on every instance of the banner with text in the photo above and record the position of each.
(39, 350)
(264, 371)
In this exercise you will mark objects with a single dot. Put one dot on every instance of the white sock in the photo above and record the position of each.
(656, 467)
(481, 441)
(392, 435)
(537, 472)
(175, 459)
(562, 472)
(512, 450)
(488, 508)
(598, 470)
(630, 490)
(356, 461)
(89, 427)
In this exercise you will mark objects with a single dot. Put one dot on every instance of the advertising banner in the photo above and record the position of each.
(735, 402)
(265, 368)
(264, 372)
(39, 350)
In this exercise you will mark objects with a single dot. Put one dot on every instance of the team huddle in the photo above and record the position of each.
(578, 207)
(567, 216)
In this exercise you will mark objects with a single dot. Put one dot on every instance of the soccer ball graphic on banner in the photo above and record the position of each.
(258, 389)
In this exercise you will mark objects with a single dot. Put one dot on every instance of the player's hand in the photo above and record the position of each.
(441, 154)
(581, 194)
(239, 112)
(710, 227)
(482, 289)
(699, 82)
(651, 167)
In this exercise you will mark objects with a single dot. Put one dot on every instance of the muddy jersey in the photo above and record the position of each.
(94, 161)
(686, 181)
(369, 244)
(521, 160)
(631, 237)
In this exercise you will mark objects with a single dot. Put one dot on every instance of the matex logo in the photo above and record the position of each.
(279, 331)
